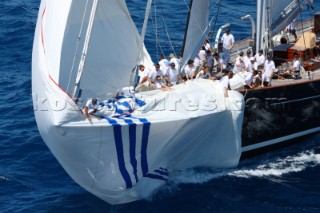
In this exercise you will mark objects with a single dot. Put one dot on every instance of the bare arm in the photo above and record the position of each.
(86, 113)
(227, 94)
(192, 74)
(231, 46)
(221, 67)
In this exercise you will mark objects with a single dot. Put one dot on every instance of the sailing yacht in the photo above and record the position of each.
(123, 159)
(126, 158)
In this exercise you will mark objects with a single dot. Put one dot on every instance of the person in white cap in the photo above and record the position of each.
(239, 65)
(253, 65)
(260, 59)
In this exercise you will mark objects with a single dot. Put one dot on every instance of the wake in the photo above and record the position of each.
(269, 168)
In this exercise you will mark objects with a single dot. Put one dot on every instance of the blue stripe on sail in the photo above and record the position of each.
(144, 145)
(119, 146)
(132, 138)
(125, 104)
(163, 168)
(153, 176)
(140, 102)
(161, 172)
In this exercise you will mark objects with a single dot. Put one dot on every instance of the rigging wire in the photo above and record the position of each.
(217, 16)
(300, 10)
(78, 44)
(166, 29)
(155, 26)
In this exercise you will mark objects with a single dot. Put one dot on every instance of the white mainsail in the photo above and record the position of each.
(197, 26)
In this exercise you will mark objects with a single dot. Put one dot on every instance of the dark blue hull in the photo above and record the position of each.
(280, 113)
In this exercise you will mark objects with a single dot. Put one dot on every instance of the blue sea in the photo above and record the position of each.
(31, 179)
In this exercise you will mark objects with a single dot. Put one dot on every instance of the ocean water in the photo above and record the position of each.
(31, 179)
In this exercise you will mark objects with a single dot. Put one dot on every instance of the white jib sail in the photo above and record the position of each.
(198, 22)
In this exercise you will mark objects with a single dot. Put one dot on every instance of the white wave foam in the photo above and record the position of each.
(274, 168)
(281, 167)
(4, 178)
(195, 176)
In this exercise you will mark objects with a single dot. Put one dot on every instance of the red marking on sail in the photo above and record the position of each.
(63, 90)
(42, 36)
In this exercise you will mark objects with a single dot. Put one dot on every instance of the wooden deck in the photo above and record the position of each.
(305, 26)
(315, 75)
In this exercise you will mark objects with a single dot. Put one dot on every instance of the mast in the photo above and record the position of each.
(187, 27)
(263, 28)
(77, 90)
(269, 21)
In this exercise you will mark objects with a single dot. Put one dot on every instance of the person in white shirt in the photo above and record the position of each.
(260, 59)
(153, 74)
(239, 65)
(204, 74)
(202, 55)
(246, 59)
(296, 67)
(221, 63)
(292, 29)
(227, 41)
(268, 70)
(172, 75)
(197, 62)
(207, 45)
(189, 71)
(248, 80)
(91, 108)
(173, 59)
(164, 63)
(253, 65)
(225, 82)
(143, 74)
(160, 85)
(257, 78)
(210, 61)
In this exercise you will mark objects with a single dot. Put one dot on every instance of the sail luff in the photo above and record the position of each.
(187, 27)
(146, 17)
(197, 27)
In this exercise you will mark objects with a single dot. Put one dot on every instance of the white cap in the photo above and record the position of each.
(252, 59)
